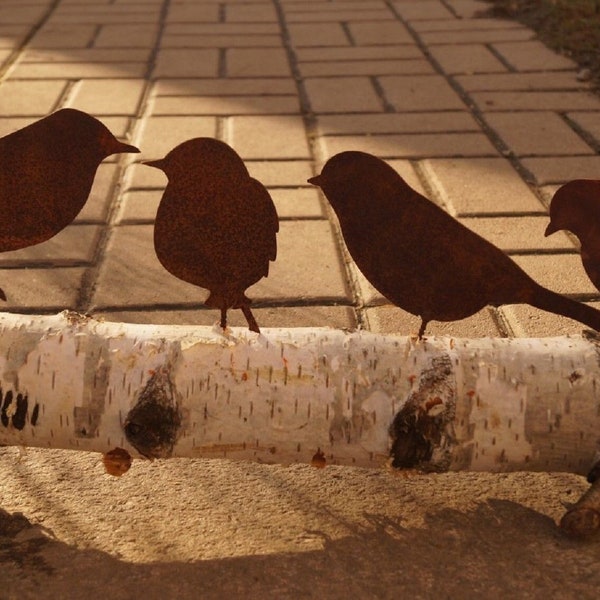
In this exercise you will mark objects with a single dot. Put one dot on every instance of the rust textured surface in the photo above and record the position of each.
(421, 258)
(576, 207)
(216, 226)
(46, 174)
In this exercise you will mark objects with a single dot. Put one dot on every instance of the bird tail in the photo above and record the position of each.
(561, 305)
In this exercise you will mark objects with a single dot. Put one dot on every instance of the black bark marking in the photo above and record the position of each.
(424, 424)
(20, 417)
(35, 413)
(152, 425)
(8, 398)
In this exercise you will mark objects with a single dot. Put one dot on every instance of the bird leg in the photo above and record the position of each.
(223, 318)
(252, 324)
(422, 329)
(2, 295)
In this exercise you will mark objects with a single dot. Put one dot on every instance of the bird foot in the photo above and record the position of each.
(3, 295)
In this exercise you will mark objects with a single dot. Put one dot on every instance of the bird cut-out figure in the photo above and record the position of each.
(46, 174)
(576, 207)
(216, 226)
(421, 258)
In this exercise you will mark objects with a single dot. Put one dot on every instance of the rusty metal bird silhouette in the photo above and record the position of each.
(216, 226)
(46, 174)
(421, 258)
(576, 207)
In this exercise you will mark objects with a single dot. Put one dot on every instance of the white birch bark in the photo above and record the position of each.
(480, 404)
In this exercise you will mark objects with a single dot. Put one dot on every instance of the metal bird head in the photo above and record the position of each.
(575, 207)
(70, 129)
(201, 159)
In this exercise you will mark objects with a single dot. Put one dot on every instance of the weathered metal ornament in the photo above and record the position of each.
(421, 258)
(216, 226)
(46, 174)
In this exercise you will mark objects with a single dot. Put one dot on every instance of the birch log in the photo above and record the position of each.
(286, 395)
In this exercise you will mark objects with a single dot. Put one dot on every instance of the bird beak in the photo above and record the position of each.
(157, 164)
(316, 180)
(550, 229)
(121, 148)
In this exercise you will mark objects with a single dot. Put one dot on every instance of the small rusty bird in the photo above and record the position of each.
(576, 207)
(216, 226)
(46, 174)
(421, 258)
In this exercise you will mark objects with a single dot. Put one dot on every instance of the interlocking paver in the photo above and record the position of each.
(537, 133)
(342, 94)
(532, 55)
(420, 92)
(466, 58)
(480, 186)
(341, 75)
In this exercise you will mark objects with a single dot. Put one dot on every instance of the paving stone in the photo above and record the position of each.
(127, 36)
(389, 319)
(518, 234)
(62, 35)
(202, 29)
(308, 265)
(466, 58)
(342, 94)
(158, 135)
(520, 81)
(539, 133)
(250, 13)
(219, 40)
(413, 145)
(317, 6)
(338, 317)
(297, 203)
(550, 170)
(98, 204)
(73, 245)
(131, 274)
(225, 87)
(12, 36)
(468, 9)
(420, 93)
(425, 9)
(532, 55)
(73, 70)
(30, 98)
(42, 289)
(430, 122)
(465, 25)
(281, 172)
(139, 206)
(225, 105)
(192, 12)
(588, 121)
(338, 15)
(536, 100)
(187, 62)
(377, 33)
(65, 55)
(13, 14)
(526, 321)
(472, 36)
(268, 137)
(355, 53)
(480, 186)
(364, 67)
(562, 273)
(319, 34)
(257, 62)
(108, 96)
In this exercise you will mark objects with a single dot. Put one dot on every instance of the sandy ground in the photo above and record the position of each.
(222, 529)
